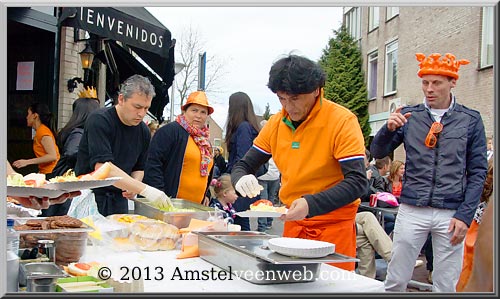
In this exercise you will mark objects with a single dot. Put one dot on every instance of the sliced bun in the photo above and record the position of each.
(154, 230)
(99, 174)
(166, 244)
(34, 179)
(102, 172)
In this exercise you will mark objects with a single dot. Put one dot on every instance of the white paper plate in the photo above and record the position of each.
(80, 185)
(25, 191)
(253, 214)
(301, 247)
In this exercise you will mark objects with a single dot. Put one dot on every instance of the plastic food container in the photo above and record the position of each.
(179, 219)
(154, 235)
(70, 243)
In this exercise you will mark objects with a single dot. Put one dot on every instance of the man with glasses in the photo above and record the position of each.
(446, 165)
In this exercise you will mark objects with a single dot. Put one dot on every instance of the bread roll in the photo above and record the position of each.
(166, 244)
(145, 244)
(99, 174)
(154, 229)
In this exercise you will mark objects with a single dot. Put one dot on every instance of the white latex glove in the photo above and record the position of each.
(157, 197)
(248, 186)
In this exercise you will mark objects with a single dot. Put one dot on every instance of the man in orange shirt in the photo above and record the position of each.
(319, 150)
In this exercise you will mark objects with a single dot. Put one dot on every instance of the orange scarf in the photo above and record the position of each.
(200, 137)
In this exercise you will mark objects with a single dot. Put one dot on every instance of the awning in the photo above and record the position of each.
(127, 65)
(137, 29)
(134, 26)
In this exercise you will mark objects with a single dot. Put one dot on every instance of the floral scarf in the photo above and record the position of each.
(200, 137)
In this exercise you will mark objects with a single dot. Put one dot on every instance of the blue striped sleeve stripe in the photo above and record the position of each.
(352, 158)
(261, 150)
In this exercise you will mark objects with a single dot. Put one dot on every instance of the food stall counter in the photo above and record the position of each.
(162, 272)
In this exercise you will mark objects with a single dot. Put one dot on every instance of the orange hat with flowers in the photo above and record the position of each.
(200, 98)
(434, 64)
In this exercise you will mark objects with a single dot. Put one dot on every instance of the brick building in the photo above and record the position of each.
(389, 37)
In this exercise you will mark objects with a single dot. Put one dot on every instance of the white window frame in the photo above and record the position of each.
(372, 82)
(391, 75)
(373, 17)
(217, 142)
(487, 50)
(391, 12)
(353, 22)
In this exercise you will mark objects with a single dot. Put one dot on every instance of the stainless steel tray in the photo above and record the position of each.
(179, 219)
(248, 251)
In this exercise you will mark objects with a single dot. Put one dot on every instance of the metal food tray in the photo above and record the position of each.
(179, 219)
(248, 251)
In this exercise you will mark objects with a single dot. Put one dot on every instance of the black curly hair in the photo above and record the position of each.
(295, 75)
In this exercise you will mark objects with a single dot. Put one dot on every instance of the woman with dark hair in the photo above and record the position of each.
(68, 140)
(241, 129)
(69, 136)
(41, 120)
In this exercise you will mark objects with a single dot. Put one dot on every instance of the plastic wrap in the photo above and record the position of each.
(70, 242)
(151, 235)
(83, 205)
(144, 233)
(20, 211)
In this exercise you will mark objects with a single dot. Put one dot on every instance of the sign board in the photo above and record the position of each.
(201, 71)
(25, 71)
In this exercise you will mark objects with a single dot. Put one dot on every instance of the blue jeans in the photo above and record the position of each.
(269, 192)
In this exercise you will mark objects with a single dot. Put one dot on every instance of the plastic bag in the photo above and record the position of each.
(386, 200)
(20, 211)
(83, 205)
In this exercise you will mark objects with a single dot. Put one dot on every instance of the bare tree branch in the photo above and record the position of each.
(190, 46)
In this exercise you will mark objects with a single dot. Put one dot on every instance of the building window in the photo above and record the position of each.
(391, 12)
(372, 75)
(373, 18)
(217, 142)
(391, 67)
(353, 22)
(487, 37)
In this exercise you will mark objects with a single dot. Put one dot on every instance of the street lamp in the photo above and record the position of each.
(86, 56)
(179, 66)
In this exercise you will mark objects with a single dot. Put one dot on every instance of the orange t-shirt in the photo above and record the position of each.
(39, 150)
(308, 159)
(192, 185)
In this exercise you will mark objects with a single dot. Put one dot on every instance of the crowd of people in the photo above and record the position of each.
(310, 156)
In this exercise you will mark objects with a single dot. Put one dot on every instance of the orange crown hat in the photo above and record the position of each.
(433, 65)
(89, 92)
(200, 98)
